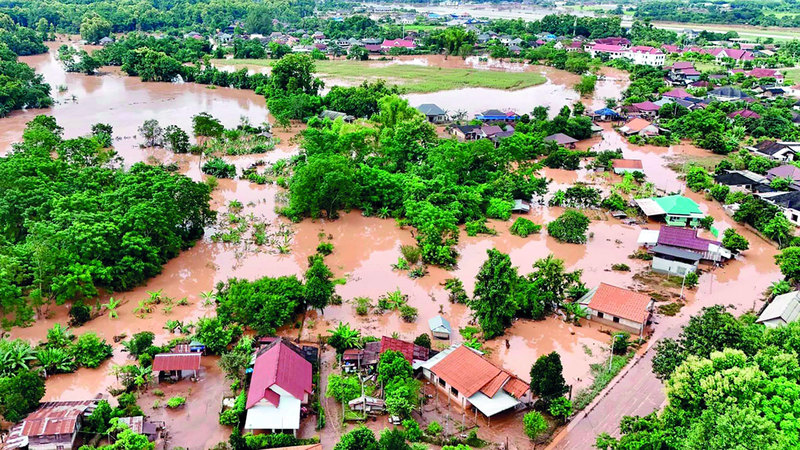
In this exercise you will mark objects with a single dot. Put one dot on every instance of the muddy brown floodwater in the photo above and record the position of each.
(365, 247)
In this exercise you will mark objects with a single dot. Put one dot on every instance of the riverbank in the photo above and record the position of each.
(415, 76)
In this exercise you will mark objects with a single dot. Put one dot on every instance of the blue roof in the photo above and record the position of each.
(606, 112)
(439, 324)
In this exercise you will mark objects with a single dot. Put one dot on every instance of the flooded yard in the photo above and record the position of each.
(364, 247)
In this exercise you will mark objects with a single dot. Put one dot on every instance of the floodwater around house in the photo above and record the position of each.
(365, 247)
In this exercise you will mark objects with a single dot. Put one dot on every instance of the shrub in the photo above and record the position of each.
(363, 305)
(218, 168)
(475, 227)
(79, 314)
(176, 402)
(325, 248)
(621, 343)
(691, 279)
(720, 192)
(534, 424)
(411, 253)
(457, 292)
(621, 267)
(408, 313)
(158, 392)
(571, 227)
(89, 350)
(524, 227)
(499, 209)
(434, 429)
(413, 432)
(423, 340)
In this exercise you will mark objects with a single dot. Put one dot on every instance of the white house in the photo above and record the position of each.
(674, 261)
(280, 385)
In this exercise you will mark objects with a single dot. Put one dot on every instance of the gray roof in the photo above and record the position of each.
(561, 138)
(728, 91)
(439, 324)
(676, 252)
(783, 309)
(430, 109)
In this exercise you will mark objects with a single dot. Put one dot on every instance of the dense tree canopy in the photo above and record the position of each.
(74, 223)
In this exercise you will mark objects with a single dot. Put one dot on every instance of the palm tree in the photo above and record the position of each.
(141, 376)
(209, 298)
(15, 356)
(111, 306)
(344, 337)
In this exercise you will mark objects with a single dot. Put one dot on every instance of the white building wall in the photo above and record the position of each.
(672, 267)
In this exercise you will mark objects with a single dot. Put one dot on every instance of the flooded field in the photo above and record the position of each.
(365, 247)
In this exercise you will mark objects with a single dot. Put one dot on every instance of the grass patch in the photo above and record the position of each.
(412, 78)
(670, 309)
(602, 376)
(792, 74)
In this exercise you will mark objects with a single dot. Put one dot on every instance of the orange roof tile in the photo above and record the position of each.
(516, 387)
(626, 163)
(637, 124)
(621, 303)
(495, 384)
(465, 370)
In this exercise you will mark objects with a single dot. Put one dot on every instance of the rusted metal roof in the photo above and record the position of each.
(410, 350)
(164, 362)
(50, 419)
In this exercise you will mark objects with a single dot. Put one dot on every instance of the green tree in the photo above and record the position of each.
(547, 378)
(493, 302)
(360, 438)
(94, 28)
(20, 394)
(343, 337)
(734, 241)
(325, 183)
(176, 139)
(393, 365)
(534, 424)
(571, 227)
(561, 408)
(319, 287)
(343, 388)
(789, 262)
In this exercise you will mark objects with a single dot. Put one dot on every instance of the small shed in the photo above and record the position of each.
(334, 115)
(440, 327)
(367, 404)
(520, 207)
(169, 365)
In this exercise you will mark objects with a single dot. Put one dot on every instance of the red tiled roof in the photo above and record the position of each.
(637, 124)
(647, 106)
(682, 65)
(645, 49)
(398, 43)
(176, 361)
(683, 238)
(465, 370)
(759, 72)
(620, 303)
(279, 365)
(607, 48)
(677, 93)
(626, 163)
(746, 113)
(491, 388)
(516, 387)
(410, 350)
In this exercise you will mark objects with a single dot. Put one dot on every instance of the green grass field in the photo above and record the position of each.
(792, 74)
(412, 78)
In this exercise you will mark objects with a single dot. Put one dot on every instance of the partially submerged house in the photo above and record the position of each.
(685, 239)
(777, 150)
(562, 139)
(495, 115)
(280, 385)
(782, 310)
(471, 381)
(440, 327)
(368, 405)
(741, 180)
(674, 261)
(618, 307)
(334, 115)
(622, 166)
(138, 425)
(789, 202)
(173, 365)
(639, 126)
(786, 171)
(411, 351)
(433, 112)
(675, 210)
(53, 426)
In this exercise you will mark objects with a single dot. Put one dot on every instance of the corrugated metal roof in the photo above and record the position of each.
(785, 307)
(164, 362)
(684, 238)
(676, 252)
(626, 163)
(410, 350)
(282, 366)
(50, 419)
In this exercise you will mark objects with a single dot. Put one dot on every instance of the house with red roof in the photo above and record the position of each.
(401, 43)
(411, 351)
(760, 72)
(646, 55)
(611, 51)
(622, 166)
(173, 364)
(53, 425)
(618, 307)
(645, 109)
(677, 93)
(735, 54)
(745, 114)
(474, 383)
(621, 41)
(279, 387)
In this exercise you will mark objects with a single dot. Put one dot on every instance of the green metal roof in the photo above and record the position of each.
(678, 204)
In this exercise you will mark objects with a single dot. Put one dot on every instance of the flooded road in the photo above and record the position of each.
(364, 247)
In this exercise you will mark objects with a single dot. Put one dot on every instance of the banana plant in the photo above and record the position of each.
(111, 306)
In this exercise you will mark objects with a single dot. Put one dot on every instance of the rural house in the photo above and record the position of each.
(782, 310)
(440, 327)
(674, 209)
(471, 381)
(433, 112)
(53, 426)
(618, 307)
(280, 385)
